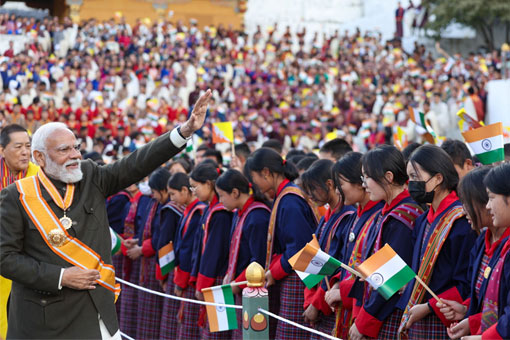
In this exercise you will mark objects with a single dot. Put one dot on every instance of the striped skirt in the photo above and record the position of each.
(291, 308)
(187, 324)
(128, 317)
(204, 333)
(389, 329)
(274, 307)
(325, 324)
(150, 306)
(170, 310)
(429, 327)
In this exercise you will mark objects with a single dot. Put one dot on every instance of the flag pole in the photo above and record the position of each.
(327, 282)
(233, 284)
(350, 270)
(233, 152)
(428, 289)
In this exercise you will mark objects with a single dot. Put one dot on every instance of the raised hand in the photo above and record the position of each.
(197, 118)
(80, 279)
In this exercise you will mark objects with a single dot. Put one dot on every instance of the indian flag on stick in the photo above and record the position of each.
(223, 132)
(220, 318)
(312, 260)
(487, 142)
(386, 272)
(116, 241)
(166, 258)
(417, 117)
(310, 280)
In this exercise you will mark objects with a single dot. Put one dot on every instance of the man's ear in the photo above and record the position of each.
(40, 158)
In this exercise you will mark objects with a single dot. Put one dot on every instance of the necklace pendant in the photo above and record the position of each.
(66, 222)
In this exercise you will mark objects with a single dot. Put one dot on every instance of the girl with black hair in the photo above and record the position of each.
(248, 233)
(347, 175)
(488, 314)
(291, 226)
(169, 215)
(211, 251)
(443, 241)
(188, 227)
(384, 178)
(318, 183)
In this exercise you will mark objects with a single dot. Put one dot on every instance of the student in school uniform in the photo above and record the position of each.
(291, 226)
(134, 222)
(384, 177)
(214, 242)
(443, 240)
(189, 225)
(248, 233)
(347, 175)
(169, 215)
(488, 314)
(318, 183)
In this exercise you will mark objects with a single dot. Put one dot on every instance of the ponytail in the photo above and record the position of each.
(233, 179)
(270, 159)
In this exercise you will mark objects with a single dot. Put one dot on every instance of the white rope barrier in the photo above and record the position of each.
(126, 336)
(311, 330)
(176, 297)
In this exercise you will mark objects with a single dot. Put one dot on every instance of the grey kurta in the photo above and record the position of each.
(38, 309)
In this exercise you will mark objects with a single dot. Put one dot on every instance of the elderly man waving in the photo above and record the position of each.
(54, 235)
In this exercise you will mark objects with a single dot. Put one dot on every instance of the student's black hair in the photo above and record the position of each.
(336, 147)
(457, 150)
(179, 181)
(497, 180)
(202, 147)
(243, 150)
(295, 159)
(305, 163)
(234, 179)
(214, 153)
(295, 152)
(378, 161)
(317, 176)
(435, 160)
(408, 150)
(206, 171)
(473, 194)
(186, 164)
(5, 135)
(158, 179)
(349, 167)
(274, 144)
(270, 159)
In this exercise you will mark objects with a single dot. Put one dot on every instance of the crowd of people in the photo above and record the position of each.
(117, 87)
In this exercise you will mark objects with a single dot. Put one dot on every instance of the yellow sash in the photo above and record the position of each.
(70, 249)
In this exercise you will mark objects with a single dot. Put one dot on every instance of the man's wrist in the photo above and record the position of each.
(184, 131)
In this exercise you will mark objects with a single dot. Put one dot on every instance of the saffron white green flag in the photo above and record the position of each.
(312, 260)
(487, 143)
(220, 318)
(116, 241)
(310, 280)
(166, 258)
(386, 272)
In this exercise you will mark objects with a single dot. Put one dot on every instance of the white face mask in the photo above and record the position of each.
(144, 187)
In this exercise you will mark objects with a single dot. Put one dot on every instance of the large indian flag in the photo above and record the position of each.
(487, 142)
(220, 318)
(386, 272)
(312, 260)
(116, 241)
(166, 258)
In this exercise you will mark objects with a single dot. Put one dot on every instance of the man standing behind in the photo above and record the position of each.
(14, 164)
(54, 235)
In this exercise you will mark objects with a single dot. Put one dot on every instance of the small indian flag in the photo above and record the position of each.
(223, 132)
(312, 260)
(310, 280)
(417, 117)
(487, 142)
(386, 272)
(116, 241)
(166, 258)
(189, 147)
(220, 318)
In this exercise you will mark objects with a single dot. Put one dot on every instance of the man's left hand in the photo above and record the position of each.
(197, 117)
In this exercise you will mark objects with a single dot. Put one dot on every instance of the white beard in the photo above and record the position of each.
(61, 173)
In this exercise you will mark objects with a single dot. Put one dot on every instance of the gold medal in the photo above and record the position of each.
(487, 272)
(57, 238)
(66, 222)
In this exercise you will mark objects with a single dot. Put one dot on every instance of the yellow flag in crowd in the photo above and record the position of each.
(223, 132)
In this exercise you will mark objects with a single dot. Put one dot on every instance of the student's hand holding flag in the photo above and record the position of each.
(458, 330)
(452, 310)
(311, 314)
(269, 279)
(417, 313)
(333, 297)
